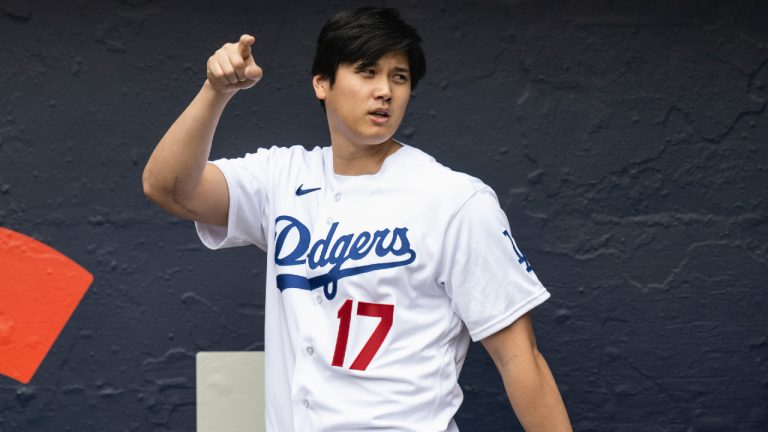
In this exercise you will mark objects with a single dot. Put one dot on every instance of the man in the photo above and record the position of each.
(382, 263)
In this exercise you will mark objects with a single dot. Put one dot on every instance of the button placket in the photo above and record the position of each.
(330, 198)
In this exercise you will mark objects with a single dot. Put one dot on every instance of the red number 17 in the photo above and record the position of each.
(383, 311)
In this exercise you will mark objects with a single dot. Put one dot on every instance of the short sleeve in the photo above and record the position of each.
(248, 184)
(485, 274)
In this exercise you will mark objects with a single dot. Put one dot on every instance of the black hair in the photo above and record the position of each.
(365, 35)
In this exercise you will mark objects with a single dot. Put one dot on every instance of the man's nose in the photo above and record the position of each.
(383, 89)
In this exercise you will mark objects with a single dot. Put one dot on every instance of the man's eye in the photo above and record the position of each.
(401, 77)
(367, 72)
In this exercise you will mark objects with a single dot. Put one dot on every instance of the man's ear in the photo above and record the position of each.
(320, 85)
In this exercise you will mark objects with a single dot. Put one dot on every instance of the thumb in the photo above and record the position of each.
(252, 70)
(253, 73)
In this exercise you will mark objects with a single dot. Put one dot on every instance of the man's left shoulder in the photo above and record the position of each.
(438, 177)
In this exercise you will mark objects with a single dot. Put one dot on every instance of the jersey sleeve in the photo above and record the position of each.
(248, 184)
(485, 274)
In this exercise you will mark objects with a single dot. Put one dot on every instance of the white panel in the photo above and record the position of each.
(230, 391)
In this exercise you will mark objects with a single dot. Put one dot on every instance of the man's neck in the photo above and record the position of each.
(353, 160)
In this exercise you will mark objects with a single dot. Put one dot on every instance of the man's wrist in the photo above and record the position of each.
(214, 96)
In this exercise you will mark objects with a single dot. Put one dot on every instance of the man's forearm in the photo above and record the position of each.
(180, 157)
(534, 395)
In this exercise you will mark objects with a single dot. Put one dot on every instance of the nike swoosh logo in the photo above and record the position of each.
(300, 191)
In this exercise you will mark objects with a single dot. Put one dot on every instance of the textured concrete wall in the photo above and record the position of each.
(627, 141)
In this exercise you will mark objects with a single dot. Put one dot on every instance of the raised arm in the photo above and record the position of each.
(178, 177)
(527, 379)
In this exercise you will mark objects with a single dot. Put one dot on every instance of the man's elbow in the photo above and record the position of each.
(168, 197)
(151, 190)
(162, 195)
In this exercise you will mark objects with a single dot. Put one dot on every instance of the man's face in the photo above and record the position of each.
(366, 104)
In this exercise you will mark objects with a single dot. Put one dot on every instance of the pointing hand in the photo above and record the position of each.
(232, 67)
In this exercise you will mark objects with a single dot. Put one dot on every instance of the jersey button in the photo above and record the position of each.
(337, 197)
(305, 403)
(310, 351)
(318, 299)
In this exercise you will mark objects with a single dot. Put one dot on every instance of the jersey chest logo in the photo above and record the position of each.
(338, 252)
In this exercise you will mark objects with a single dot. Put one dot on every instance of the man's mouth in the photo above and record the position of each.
(380, 113)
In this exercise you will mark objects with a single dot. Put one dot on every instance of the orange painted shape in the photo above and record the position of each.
(39, 289)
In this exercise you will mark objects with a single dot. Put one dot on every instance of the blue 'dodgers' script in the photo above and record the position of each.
(336, 251)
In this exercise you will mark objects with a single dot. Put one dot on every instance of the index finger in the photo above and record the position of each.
(244, 45)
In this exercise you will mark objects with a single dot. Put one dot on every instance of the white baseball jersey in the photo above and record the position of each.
(375, 284)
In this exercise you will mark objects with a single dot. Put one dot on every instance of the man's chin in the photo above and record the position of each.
(377, 142)
(375, 139)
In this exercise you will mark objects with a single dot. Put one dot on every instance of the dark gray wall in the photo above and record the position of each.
(627, 142)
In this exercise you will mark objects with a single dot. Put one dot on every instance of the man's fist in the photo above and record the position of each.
(232, 68)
